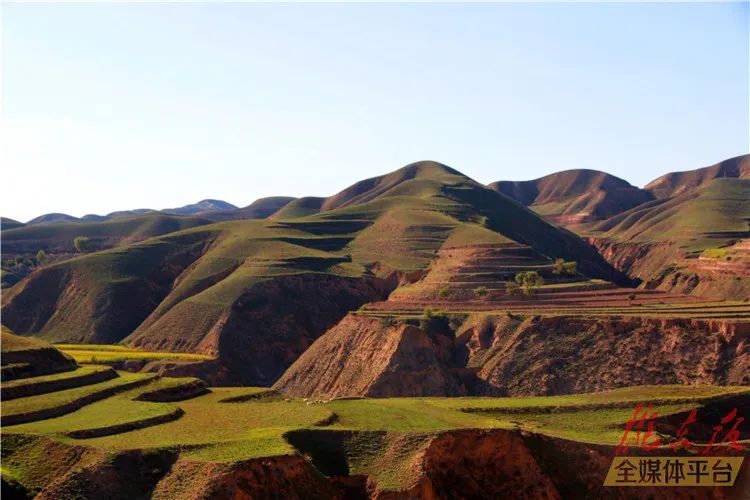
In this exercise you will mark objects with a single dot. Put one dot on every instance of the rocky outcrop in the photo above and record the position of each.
(364, 356)
(490, 464)
(286, 476)
(368, 357)
(514, 355)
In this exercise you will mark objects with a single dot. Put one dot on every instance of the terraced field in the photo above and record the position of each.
(600, 300)
(43, 406)
(50, 383)
(209, 428)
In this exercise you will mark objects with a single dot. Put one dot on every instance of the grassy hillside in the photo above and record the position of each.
(8, 223)
(692, 238)
(263, 290)
(11, 342)
(707, 217)
(101, 296)
(259, 209)
(573, 197)
(676, 183)
(300, 207)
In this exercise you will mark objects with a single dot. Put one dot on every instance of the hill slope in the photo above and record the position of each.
(572, 197)
(6, 223)
(695, 242)
(676, 183)
(58, 238)
(30, 357)
(51, 219)
(257, 293)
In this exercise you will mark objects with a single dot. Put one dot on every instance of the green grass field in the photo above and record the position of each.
(55, 399)
(82, 371)
(381, 437)
(698, 220)
(218, 430)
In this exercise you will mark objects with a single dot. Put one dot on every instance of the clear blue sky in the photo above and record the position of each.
(117, 106)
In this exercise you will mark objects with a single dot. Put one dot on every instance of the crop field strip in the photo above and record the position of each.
(84, 375)
(261, 424)
(43, 406)
(125, 411)
(111, 353)
(583, 304)
(234, 424)
(739, 315)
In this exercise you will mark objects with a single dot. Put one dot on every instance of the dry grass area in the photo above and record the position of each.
(108, 353)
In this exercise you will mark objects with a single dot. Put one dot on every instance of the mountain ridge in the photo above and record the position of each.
(216, 288)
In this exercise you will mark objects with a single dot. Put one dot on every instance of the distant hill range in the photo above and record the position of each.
(575, 197)
(198, 288)
(257, 289)
(201, 207)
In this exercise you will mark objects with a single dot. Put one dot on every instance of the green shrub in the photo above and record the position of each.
(81, 243)
(431, 318)
(480, 292)
(41, 258)
(563, 268)
(529, 281)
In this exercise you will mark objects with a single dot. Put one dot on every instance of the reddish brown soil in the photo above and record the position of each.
(365, 357)
(550, 300)
(503, 355)
(666, 267)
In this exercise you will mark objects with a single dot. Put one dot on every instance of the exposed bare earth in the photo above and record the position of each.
(458, 464)
(519, 355)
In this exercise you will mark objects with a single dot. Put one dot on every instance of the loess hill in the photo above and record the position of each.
(257, 293)
(273, 299)
(574, 197)
(694, 243)
(685, 232)
(376, 315)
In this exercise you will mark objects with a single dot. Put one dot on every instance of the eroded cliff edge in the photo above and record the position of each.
(509, 355)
